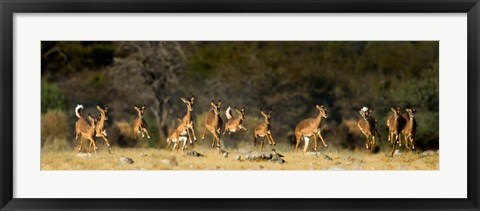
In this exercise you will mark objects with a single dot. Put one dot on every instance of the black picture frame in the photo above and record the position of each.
(10, 7)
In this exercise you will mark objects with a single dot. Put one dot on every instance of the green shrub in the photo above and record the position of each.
(52, 97)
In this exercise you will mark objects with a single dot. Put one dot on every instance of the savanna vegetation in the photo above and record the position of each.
(289, 78)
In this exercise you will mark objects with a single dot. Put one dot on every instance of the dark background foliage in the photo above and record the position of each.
(289, 78)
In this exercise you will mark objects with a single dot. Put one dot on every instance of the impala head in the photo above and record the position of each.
(241, 113)
(322, 110)
(266, 116)
(396, 111)
(216, 107)
(189, 102)
(140, 110)
(91, 120)
(103, 111)
(411, 112)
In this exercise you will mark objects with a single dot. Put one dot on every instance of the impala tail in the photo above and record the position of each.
(78, 110)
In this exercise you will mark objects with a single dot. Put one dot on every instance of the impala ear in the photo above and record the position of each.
(212, 103)
(184, 100)
(393, 109)
(219, 102)
(192, 98)
(144, 106)
(262, 113)
(269, 112)
(243, 109)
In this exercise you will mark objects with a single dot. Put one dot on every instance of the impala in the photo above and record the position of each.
(84, 128)
(213, 123)
(368, 127)
(233, 123)
(410, 127)
(310, 127)
(396, 123)
(100, 130)
(262, 130)
(187, 120)
(181, 133)
(139, 125)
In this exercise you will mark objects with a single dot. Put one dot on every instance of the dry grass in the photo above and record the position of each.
(161, 159)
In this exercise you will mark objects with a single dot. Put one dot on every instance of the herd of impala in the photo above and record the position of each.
(309, 128)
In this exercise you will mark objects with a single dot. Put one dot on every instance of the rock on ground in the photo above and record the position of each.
(397, 152)
(264, 156)
(170, 161)
(126, 160)
(194, 154)
(84, 155)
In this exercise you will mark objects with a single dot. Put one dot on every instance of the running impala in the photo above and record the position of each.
(310, 127)
(262, 130)
(213, 123)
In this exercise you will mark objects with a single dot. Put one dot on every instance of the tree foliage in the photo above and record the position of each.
(288, 77)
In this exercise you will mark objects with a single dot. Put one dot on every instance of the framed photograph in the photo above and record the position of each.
(239, 105)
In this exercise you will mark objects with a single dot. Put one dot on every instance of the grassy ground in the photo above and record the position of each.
(161, 159)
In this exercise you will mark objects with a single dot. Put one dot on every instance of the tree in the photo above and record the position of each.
(150, 74)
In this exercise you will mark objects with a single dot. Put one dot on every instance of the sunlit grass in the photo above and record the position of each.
(156, 159)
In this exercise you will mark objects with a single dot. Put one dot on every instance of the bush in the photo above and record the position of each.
(54, 127)
(52, 97)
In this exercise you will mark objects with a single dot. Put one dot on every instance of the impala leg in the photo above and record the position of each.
(412, 142)
(271, 139)
(76, 140)
(204, 131)
(390, 137)
(241, 127)
(321, 137)
(366, 141)
(307, 140)
(399, 141)
(168, 143)
(189, 136)
(135, 132)
(298, 142)
(213, 140)
(89, 146)
(92, 142)
(373, 141)
(314, 143)
(261, 145)
(144, 130)
(405, 137)
(393, 149)
(217, 139)
(193, 132)
(105, 139)
(254, 139)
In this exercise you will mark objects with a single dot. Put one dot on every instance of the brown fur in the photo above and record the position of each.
(235, 123)
(396, 123)
(185, 125)
(410, 128)
(263, 130)
(87, 130)
(139, 125)
(367, 126)
(100, 130)
(310, 127)
(213, 123)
